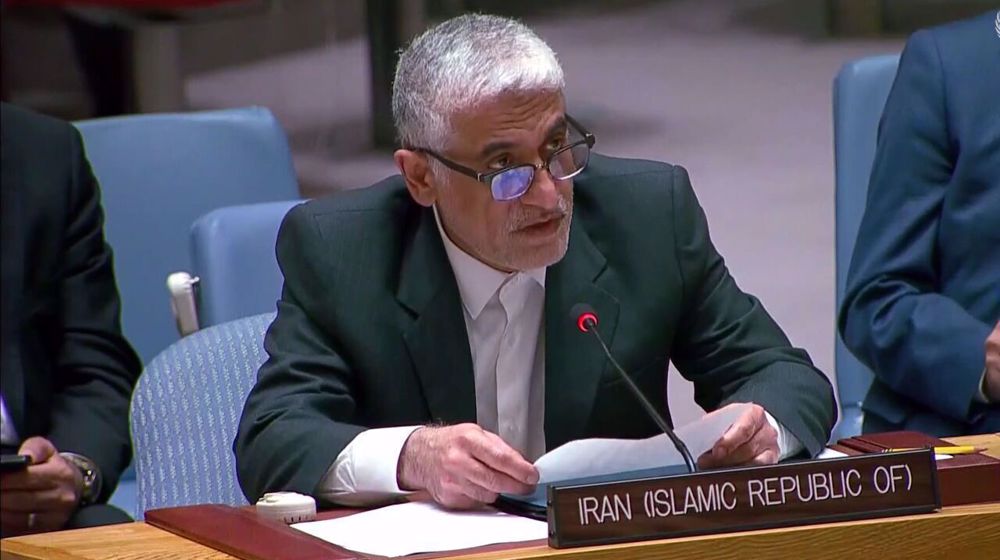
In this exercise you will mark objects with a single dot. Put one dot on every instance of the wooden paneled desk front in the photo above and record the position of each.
(953, 533)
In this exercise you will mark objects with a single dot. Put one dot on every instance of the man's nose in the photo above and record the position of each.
(543, 192)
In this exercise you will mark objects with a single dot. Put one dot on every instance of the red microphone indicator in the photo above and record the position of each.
(586, 318)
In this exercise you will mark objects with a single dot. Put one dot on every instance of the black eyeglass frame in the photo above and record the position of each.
(588, 138)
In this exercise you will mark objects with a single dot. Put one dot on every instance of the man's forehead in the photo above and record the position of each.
(510, 114)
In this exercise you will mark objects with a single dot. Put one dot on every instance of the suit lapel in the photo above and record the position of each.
(574, 361)
(437, 341)
(436, 337)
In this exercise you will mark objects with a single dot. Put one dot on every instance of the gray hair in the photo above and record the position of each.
(461, 63)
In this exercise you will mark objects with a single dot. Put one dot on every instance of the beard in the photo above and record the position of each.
(518, 254)
(508, 247)
(523, 217)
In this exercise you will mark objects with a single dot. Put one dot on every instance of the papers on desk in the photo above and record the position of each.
(595, 457)
(591, 461)
(422, 527)
(828, 453)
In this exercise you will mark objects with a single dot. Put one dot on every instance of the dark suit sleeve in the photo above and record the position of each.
(295, 420)
(920, 343)
(96, 368)
(728, 345)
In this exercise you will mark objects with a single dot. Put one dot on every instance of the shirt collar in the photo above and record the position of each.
(477, 281)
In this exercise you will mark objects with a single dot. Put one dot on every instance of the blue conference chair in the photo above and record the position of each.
(160, 172)
(232, 250)
(859, 94)
(185, 410)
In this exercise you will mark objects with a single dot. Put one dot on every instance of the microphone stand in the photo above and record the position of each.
(591, 327)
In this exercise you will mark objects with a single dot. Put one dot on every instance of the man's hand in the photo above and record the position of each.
(43, 496)
(751, 440)
(463, 466)
(992, 381)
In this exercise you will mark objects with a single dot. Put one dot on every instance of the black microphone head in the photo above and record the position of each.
(583, 316)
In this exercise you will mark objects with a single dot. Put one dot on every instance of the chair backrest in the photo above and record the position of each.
(185, 410)
(232, 250)
(160, 172)
(859, 94)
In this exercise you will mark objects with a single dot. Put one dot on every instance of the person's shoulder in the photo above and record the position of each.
(959, 61)
(26, 129)
(983, 29)
(16, 116)
(602, 167)
(388, 195)
(40, 155)
(630, 195)
(346, 232)
(369, 212)
(627, 179)
(961, 41)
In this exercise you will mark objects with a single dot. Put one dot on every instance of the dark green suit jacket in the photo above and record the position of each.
(370, 333)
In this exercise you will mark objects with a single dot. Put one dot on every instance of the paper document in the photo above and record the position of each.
(828, 453)
(422, 527)
(593, 457)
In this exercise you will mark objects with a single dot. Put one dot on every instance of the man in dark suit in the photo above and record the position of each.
(67, 372)
(423, 340)
(923, 291)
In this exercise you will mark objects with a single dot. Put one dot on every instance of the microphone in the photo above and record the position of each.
(585, 319)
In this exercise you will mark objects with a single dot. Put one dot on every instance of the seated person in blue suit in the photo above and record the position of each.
(923, 291)
(67, 371)
(423, 340)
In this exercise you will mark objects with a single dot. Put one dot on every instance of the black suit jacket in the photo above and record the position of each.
(67, 372)
(370, 333)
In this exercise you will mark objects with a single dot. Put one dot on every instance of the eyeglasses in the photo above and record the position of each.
(513, 181)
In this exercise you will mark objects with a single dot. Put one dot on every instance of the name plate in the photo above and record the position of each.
(866, 486)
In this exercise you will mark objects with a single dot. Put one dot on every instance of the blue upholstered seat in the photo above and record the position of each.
(859, 94)
(185, 411)
(160, 172)
(232, 250)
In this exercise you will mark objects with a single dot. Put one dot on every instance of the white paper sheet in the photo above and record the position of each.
(594, 457)
(830, 454)
(422, 527)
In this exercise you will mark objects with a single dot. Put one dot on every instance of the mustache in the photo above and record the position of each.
(522, 220)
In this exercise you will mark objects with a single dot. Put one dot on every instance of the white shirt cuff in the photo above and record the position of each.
(981, 394)
(788, 444)
(365, 471)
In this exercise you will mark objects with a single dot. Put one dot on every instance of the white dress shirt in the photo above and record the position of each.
(504, 321)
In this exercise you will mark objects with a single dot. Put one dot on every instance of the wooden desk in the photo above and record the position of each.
(989, 442)
(956, 533)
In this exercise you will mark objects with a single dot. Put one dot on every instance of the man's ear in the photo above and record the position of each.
(416, 171)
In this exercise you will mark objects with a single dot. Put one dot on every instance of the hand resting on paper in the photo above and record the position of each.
(750, 440)
(462, 466)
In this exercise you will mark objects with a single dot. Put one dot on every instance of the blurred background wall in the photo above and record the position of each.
(737, 91)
